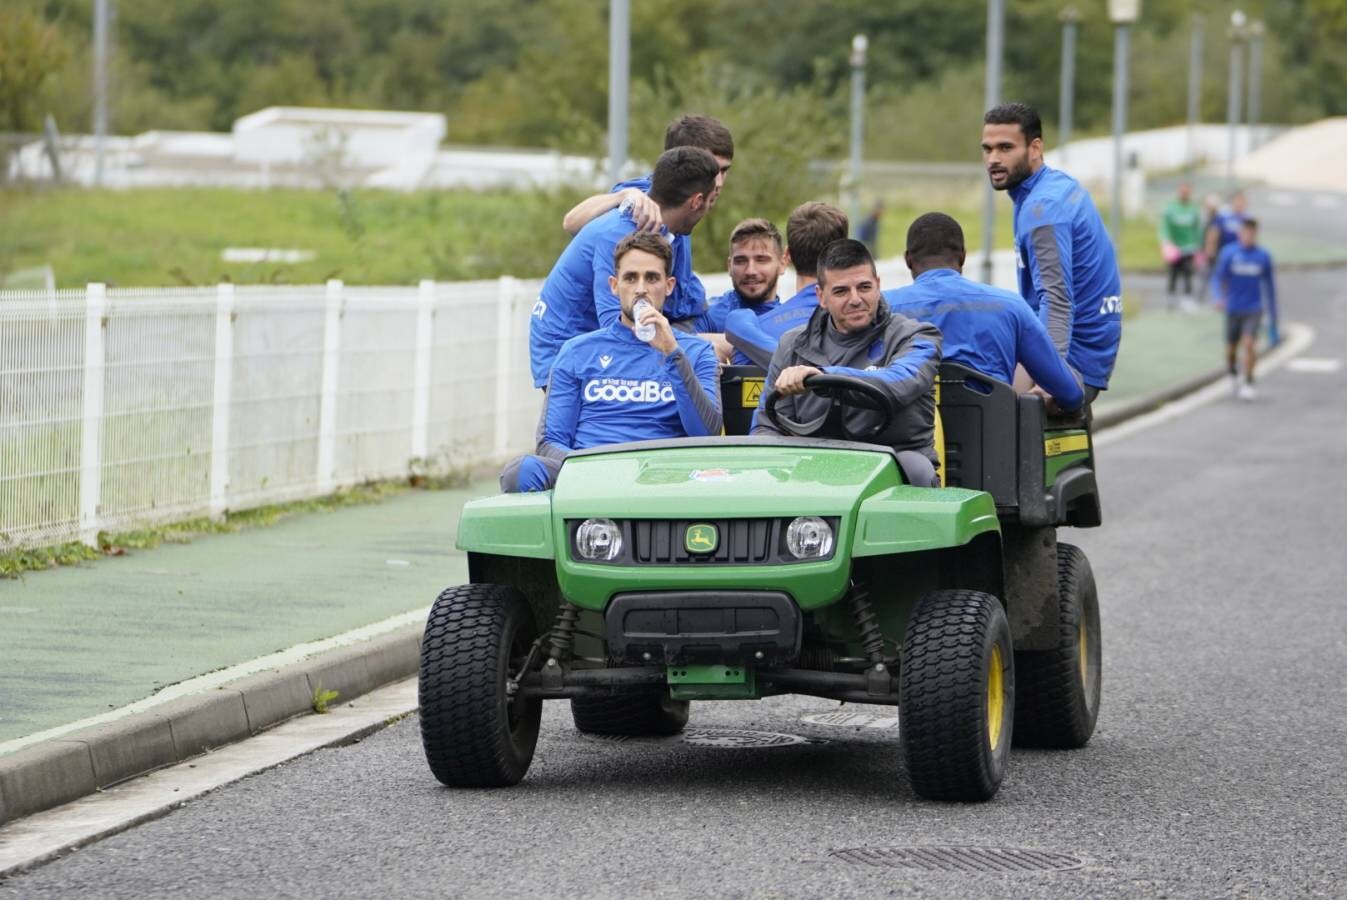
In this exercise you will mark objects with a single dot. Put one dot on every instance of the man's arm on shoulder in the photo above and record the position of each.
(696, 387)
(561, 411)
(911, 369)
(745, 333)
(644, 210)
(1034, 351)
(1050, 266)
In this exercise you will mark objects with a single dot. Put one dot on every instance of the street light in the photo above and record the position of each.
(996, 18)
(1237, 33)
(1123, 13)
(1194, 89)
(1255, 34)
(859, 45)
(1070, 18)
(619, 70)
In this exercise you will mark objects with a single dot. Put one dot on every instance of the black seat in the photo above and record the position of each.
(740, 391)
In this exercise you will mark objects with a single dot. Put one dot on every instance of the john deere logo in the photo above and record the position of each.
(701, 539)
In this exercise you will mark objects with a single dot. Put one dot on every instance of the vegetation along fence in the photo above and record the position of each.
(123, 408)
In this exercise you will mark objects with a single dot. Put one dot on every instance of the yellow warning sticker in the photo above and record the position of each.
(752, 393)
(1069, 444)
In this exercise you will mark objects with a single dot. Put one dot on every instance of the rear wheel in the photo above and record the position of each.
(957, 695)
(1058, 699)
(475, 734)
(637, 714)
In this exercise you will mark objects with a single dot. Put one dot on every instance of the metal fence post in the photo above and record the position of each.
(224, 376)
(504, 347)
(327, 410)
(91, 432)
(425, 339)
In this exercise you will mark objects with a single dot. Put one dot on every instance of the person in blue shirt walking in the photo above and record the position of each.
(809, 230)
(633, 195)
(986, 328)
(1243, 273)
(1067, 270)
(610, 386)
(575, 298)
(755, 266)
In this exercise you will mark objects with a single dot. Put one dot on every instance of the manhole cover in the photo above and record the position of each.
(967, 860)
(734, 738)
(851, 720)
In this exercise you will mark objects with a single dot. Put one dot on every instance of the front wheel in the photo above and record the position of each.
(474, 733)
(957, 695)
(1058, 700)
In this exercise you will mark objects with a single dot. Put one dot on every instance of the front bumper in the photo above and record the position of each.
(699, 627)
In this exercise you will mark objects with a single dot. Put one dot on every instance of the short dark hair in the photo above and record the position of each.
(700, 131)
(809, 230)
(844, 254)
(682, 172)
(1021, 114)
(755, 228)
(1249, 223)
(935, 236)
(650, 243)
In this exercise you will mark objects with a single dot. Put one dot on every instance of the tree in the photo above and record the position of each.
(30, 53)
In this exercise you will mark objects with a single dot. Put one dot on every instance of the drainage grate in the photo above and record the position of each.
(738, 739)
(851, 720)
(966, 860)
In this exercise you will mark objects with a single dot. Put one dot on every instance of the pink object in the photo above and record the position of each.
(1170, 253)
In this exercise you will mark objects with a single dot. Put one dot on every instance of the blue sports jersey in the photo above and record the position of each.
(609, 386)
(713, 320)
(1067, 271)
(987, 329)
(576, 297)
(755, 336)
(1242, 273)
(1228, 223)
(689, 296)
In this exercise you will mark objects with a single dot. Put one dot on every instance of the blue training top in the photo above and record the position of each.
(713, 320)
(576, 297)
(987, 329)
(1242, 272)
(755, 336)
(609, 387)
(1067, 271)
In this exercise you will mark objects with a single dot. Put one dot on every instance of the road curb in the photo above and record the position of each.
(82, 762)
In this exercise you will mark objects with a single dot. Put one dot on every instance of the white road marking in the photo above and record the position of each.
(222, 676)
(46, 835)
(1326, 201)
(1297, 338)
(1317, 364)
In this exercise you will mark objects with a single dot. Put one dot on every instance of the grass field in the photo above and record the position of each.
(161, 237)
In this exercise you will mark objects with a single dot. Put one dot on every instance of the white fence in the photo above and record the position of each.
(121, 408)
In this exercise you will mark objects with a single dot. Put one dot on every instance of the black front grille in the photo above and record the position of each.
(742, 541)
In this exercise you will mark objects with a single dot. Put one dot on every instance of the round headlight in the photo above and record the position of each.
(809, 537)
(598, 539)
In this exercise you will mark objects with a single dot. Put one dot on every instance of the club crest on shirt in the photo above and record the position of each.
(605, 360)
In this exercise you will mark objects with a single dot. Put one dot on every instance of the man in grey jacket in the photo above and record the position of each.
(854, 333)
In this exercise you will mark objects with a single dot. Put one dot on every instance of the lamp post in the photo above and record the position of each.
(859, 45)
(1070, 18)
(1194, 89)
(1254, 107)
(102, 22)
(1237, 21)
(996, 15)
(1123, 14)
(619, 68)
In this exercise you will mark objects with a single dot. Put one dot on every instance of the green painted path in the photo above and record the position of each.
(78, 641)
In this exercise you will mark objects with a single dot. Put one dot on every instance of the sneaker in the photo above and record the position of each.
(1246, 392)
(1234, 381)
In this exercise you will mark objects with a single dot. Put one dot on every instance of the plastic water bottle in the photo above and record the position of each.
(644, 330)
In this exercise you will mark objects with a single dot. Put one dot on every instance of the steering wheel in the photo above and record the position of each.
(844, 391)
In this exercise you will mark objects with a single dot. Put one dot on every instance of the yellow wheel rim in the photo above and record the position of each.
(1084, 648)
(996, 699)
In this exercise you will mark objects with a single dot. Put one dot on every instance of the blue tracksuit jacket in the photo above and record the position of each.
(689, 296)
(718, 310)
(1242, 273)
(755, 335)
(1067, 271)
(987, 329)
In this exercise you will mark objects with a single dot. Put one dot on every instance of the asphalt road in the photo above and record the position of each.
(1216, 769)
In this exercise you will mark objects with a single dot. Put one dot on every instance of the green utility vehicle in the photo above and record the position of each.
(733, 568)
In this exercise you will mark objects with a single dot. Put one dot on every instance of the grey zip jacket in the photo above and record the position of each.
(897, 354)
